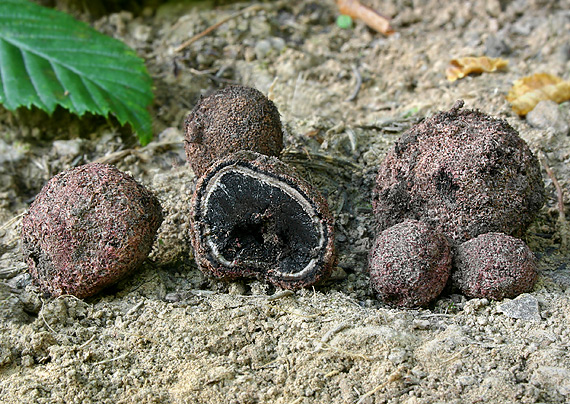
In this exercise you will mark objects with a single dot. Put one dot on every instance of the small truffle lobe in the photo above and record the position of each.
(87, 228)
(494, 266)
(229, 120)
(253, 217)
(409, 264)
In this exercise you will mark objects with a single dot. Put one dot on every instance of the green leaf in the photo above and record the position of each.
(47, 58)
(344, 21)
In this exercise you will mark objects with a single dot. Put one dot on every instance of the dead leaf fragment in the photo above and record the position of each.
(530, 90)
(461, 67)
(370, 17)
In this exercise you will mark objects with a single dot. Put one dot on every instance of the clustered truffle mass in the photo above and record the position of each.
(451, 197)
(252, 215)
(471, 178)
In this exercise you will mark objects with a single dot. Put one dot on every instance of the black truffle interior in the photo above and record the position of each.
(256, 224)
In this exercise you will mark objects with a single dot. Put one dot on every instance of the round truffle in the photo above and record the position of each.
(231, 119)
(87, 228)
(253, 217)
(463, 172)
(409, 264)
(494, 266)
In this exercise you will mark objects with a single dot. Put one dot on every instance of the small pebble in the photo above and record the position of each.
(524, 307)
(547, 115)
(496, 46)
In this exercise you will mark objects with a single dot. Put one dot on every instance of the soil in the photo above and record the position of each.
(168, 334)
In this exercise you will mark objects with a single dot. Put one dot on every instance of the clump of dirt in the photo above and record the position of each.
(462, 172)
(229, 120)
(252, 215)
(88, 227)
(495, 266)
(409, 264)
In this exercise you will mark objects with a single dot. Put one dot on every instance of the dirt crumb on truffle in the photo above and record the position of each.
(87, 228)
(409, 264)
(495, 266)
(231, 119)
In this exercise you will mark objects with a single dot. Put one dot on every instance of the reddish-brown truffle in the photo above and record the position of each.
(253, 217)
(409, 264)
(494, 266)
(87, 228)
(232, 119)
(462, 172)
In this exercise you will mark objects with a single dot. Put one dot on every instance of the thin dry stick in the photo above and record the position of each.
(559, 192)
(12, 221)
(393, 377)
(279, 295)
(357, 86)
(563, 227)
(45, 321)
(370, 17)
(190, 41)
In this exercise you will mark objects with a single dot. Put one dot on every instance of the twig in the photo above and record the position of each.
(563, 227)
(350, 354)
(559, 192)
(279, 295)
(370, 17)
(326, 338)
(114, 157)
(295, 313)
(112, 359)
(45, 321)
(190, 41)
(357, 86)
(135, 307)
(11, 221)
(392, 378)
(68, 295)
(86, 342)
(10, 272)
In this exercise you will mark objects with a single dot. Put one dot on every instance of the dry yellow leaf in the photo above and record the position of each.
(530, 90)
(459, 68)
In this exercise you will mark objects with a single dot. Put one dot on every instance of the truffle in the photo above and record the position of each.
(463, 172)
(229, 120)
(409, 264)
(494, 266)
(87, 228)
(253, 217)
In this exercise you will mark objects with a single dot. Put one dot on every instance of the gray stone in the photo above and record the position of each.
(547, 115)
(67, 148)
(496, 45)
(524, 307)
(10, 153)
(554, 377)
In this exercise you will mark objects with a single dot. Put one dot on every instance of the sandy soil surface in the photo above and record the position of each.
(168, 334)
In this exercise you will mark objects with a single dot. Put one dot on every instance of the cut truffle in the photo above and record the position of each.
(494, 266)
(87, 228)
(462, 172)
(409, 264)
(253, 217)
(231, 119)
